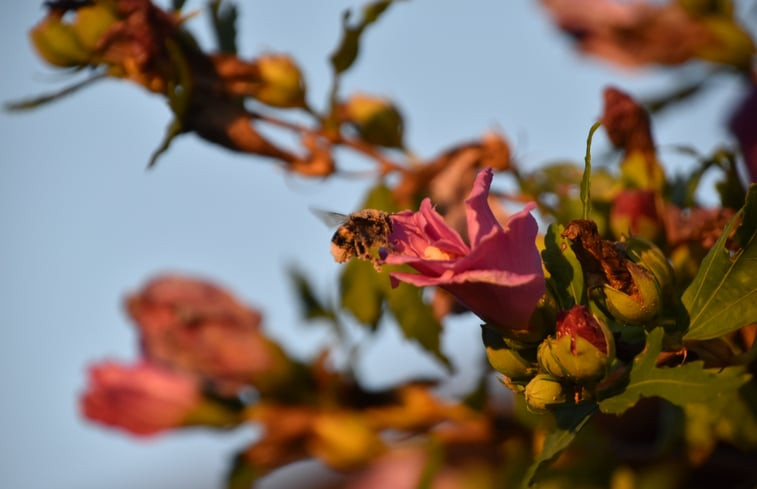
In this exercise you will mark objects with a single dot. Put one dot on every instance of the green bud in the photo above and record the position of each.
(640, 306)
(376, 119)
(543, 391)
(282, 83)
(91, 23)
(58, 43)
(344, 440)
(572, 358)
(646, 253)
(517, 365)
(541, 323)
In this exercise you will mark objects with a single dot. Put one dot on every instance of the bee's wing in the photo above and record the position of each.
(331, 219)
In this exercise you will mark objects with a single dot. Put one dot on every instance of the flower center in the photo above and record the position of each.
(434, 253)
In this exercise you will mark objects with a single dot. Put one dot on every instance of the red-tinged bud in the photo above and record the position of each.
(634, 213)
(579, 322)
(582, 349)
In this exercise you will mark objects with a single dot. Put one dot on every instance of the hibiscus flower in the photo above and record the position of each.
(498, 275)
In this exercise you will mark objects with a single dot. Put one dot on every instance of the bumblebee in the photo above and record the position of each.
(358, 233)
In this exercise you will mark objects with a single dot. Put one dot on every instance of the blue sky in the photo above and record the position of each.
(83, 223)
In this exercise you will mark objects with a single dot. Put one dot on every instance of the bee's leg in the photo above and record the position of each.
(376, 263)
(360, 250)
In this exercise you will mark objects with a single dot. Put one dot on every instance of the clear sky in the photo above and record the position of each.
(83, 223)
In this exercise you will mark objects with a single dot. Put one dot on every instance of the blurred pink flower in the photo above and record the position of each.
(197, 327)
(635, 212)
(499, 276)
(630, 33)
(143, 399)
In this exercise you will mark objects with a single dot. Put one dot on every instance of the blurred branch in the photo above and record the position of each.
(35, 102)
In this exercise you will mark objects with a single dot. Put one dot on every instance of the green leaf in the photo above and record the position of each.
(682, 189)
(542, 183)
(380, 197)
(730, 188)
(224, 20)
(242, 474)
(362, 292)
(179, 94)
(679, 94)
(346, 53)
(732, 418)
(681, 385)
(546, 178)
(175, 127)
(566, 277)
(416, 318)
(312, 306)
(434, 463)
(723, 296)
(570, 419)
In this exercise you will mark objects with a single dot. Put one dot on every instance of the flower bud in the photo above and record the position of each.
(91, 23)
(58, 44)
(647, 254)
(211, 412)
(143, 399)
(641, 304)
(685, 259)
(634, 212)
(543, 391)
(517, 365)
(540, 324)
(642, 169)
(376, 119)
(582, 349)
(344, 441)
(282, 82)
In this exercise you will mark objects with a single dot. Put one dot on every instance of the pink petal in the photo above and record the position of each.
(480, 218)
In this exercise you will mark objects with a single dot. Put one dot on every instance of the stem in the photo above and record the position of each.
(386, 165)
(586, 180)
(43, 99)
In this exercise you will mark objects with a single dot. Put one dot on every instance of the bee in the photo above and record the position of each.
(358, 233)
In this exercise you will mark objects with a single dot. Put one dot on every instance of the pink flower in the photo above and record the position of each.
(634, 212)
(631, 33)
(197, 327)
(498, 276)
(143, 399)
